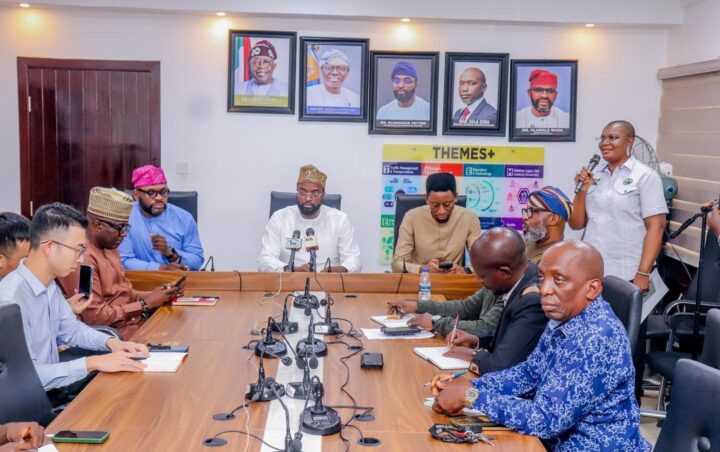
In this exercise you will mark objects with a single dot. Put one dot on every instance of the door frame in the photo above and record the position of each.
(24, 64)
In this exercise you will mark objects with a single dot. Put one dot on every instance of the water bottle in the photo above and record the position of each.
(424, 286)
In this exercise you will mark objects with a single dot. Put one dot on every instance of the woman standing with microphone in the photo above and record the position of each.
(622, 207)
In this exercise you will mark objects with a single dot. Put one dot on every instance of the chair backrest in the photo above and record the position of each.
(280, 199)
(625, 299)
(711, 346)
(711, 268)
(187, 200)
(405, 202)
(692, 418)
(22, 397)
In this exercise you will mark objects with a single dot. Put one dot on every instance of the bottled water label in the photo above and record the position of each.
(424, 292)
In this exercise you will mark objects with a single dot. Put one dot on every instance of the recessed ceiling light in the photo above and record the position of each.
(24, 5)
(590, 25)
(405, 19)
(220, 13)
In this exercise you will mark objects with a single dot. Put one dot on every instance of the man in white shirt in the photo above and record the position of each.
(334, 67)
(332, 230)
(541, 114)
(406, 106)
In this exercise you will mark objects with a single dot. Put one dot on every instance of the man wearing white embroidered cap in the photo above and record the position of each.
(334, 68)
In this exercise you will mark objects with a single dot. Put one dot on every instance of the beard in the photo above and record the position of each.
(148, 208)
(309, 210)
(537, 234)
(546, 106)
(404, 96)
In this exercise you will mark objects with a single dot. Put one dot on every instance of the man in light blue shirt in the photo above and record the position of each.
(162, 236)
(57, 246)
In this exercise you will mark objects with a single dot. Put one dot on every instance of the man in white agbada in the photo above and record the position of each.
(334, 68)
(333, 231)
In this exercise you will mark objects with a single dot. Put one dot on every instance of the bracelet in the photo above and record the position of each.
(144, 305)
(642, 273)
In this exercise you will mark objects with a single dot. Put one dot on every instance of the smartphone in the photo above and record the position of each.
(371, 361)
(81, 436)
(180, 280)
(400, 330)
(446, 265)
(169, 348)
(85, 281)
(475, 423)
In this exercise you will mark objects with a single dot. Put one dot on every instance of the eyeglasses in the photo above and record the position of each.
(153, 193)
(338, 69)
(80, 251)
(120, 228)
(313, 194)
(255, 62)
(540, 90)
(403, 80)
(527, 212)
(602, 138)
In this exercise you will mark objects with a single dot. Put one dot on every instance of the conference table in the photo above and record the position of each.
(174, 411)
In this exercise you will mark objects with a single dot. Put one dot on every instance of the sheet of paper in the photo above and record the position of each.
(392, 321)
(435, 356)
(48, 448)
(163, 361)
(375, 333)
(657, 291)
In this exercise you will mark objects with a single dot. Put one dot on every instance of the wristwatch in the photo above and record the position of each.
(471, 396)
(435, 318)
(145, 310)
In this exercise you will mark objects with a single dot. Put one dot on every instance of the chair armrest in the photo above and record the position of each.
(653, 414)
(110, 331)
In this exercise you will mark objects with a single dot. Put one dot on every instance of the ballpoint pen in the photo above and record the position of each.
(452, 333)
(459, 373)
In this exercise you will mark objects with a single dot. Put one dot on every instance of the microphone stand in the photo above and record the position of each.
(319, 419)
(318, 346)
(270, 344)
(704, 211)
(306, 300)
(265, 389)
(285, 325)
(301, 389)
(290, 444)
(331, 328)
(276, 327)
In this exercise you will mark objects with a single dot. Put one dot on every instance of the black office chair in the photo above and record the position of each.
(22, 397)
(186, 200)
(692, 420)
(665, 363)
(280, 199)
(625, 299)
(405, 202)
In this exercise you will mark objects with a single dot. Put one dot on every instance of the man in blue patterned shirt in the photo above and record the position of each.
(575, 391)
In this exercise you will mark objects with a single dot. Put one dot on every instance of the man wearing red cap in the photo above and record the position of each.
(262, 66)
(541, 114)
(162, 236)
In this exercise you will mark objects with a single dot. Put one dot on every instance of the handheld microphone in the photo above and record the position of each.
(290, 444)
(320, 419)
(591, 166)
(270, 344)
(306, 301)
(293, 244)
(285, 325)
(265, 389)
(317, 346)
(311, 246)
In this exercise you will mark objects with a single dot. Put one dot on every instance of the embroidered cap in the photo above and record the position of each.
(110, 204)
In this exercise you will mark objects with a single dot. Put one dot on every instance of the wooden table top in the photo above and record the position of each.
(173, 412)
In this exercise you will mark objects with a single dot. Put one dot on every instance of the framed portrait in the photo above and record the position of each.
(543, 100)
(403, 93)
(475, 93)
(261, 71)
(333, 82)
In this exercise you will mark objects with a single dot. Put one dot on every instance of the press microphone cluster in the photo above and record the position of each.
(293, 244)
(591, 166)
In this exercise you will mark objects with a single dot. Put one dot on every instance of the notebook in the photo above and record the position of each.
(435, 356)
(391, 321)
(196, 301)
(163, 361)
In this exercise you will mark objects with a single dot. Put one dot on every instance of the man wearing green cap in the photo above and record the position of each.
(114, 301)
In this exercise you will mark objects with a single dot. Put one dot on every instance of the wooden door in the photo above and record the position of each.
(84, 123)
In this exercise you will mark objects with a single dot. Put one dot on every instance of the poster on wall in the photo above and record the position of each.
(497, 181)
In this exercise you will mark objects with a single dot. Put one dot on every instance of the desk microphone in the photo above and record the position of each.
(293, 244)
(285, 325)
(211, 262)
(311, 246)
(270, 344)
(291, 445)
(317, 346)
(331, 328)
(301, 389)
(320, 419)
(591, 166)
(265, 389)
(299, 360)
(305, 300)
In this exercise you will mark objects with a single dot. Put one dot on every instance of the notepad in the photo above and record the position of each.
(163, 361)
(435, 356)
(48, 448)
(196, 301)
(392, 321)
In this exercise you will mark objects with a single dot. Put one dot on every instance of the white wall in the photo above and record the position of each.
(237, 159)
(698, 38)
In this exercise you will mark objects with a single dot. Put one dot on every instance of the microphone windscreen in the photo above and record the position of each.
(308, 311)
(301, 363)
(286, 360)
(313, 362)
(323, 302)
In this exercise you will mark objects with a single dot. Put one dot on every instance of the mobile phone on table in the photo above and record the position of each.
(85, 281)
(446, 265)
(180, 280)
(371, 361)
(81, 436)
(400, 330)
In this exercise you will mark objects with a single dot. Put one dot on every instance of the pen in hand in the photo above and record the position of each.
(459, 373)
(452, 333)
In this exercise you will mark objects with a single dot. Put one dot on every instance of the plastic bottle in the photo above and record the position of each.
(424, 286)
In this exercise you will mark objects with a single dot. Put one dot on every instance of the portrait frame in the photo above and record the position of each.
(382, 96)
(241, 77)
(355, 81)
(565, 102)
(479, 122)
